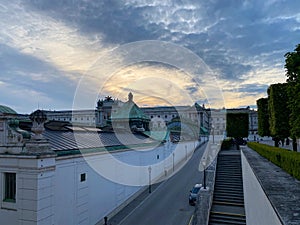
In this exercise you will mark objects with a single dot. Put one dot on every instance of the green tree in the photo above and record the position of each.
(263, 117)
(292, 66)
(237, 125)
(278, 112)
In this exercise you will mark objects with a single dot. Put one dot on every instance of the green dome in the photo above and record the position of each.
(6, 110)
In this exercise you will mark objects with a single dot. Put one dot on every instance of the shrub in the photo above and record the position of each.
(286, 159)
(227, 143)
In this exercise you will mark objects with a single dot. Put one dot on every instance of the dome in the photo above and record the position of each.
(6, 110)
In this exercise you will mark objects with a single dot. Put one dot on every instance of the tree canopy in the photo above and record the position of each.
(263, 117)
(278, 111)
(292, 66)
(237, 125)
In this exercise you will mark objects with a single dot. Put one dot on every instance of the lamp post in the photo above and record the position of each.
(149, 170)
(204, 172)
(173, 161)
(213, 129)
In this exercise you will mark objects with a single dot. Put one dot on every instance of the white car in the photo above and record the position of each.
(194, 194)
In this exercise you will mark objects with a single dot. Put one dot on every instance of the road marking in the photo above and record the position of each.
(191, 220)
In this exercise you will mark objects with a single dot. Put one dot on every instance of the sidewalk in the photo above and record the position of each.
(282, 189)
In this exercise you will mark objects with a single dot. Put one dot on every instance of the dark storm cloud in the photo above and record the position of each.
(225, 33)
(235, 38)
(118, 23)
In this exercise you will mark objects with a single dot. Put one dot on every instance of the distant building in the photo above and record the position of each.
(111, 111)
(129, 116)
(218, 120)
(53, 172)
(76, 117)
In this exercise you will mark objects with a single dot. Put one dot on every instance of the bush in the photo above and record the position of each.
(227, 144)
(285, 159)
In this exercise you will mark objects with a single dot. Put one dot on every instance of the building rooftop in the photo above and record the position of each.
(84, 139)
(66, 139)
(6, 110)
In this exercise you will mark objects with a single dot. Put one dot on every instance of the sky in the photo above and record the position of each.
(67, 54)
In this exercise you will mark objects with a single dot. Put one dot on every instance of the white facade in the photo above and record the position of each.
(107, 106)
(76, 117)
(167, 113)
(218, 121)
(39, 187)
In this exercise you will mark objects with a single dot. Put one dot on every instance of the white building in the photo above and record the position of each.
(108, 106)
(218, 121)
(73, 175)
(76, 117)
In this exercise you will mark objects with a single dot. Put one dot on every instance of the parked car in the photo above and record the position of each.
(194, 194)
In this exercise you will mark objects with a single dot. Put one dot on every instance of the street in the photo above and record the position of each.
(168, 203)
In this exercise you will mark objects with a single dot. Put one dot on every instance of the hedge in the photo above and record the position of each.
(227, 144)
(285, 159)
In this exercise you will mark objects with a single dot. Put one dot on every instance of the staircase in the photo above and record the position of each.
(228, 198)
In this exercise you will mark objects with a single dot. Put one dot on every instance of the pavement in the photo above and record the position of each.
(282, 189)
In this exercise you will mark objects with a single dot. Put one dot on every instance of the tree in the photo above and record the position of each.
(237, 125)
(263, 117)
(292, 66)
(278, 112)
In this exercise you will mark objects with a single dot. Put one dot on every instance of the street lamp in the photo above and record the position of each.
(149, 169)
(173, 161)
(204, 172)
(213, 130)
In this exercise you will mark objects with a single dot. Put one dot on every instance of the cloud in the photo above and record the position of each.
(25, 72)
(25, 100)
(243, 42)
(48, 39)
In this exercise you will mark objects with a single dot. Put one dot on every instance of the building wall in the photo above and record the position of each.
(52, 190)
(89, 201)
(34, 190)
(218, 120)
(259, 210)
(80, 117)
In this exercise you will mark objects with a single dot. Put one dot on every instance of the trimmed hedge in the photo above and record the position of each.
(227, 144)
(285, 159)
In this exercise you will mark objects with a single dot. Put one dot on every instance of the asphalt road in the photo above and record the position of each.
(168, 203)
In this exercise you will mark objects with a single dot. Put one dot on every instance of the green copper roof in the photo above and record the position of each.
(129, 111)
(6, 110)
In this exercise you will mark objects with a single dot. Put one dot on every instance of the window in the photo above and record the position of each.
(82, 177)
(9, 187)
